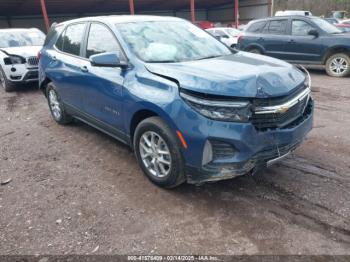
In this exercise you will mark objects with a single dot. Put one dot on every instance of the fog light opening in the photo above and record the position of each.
(207, 153)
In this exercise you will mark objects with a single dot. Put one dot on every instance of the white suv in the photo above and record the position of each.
(19, 56)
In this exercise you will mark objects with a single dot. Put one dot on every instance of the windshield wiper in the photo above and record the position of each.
(164, 61)
(209, 57)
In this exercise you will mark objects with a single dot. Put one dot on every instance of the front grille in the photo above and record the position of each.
(278, 100)
(272, 120)
(33, 61)
(275, 120)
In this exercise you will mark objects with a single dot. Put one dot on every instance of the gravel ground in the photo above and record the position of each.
(74, 190)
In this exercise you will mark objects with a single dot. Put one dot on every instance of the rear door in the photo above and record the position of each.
(251, 36)
(274, 38)
(302, 46)
(66, 65)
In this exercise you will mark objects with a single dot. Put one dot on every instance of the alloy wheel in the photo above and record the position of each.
(339, 65)
(155, 154)
(54, 105)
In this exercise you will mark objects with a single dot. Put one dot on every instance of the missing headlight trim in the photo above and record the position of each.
(219, 109)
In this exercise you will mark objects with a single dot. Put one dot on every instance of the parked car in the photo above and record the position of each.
(333, 21)
(191, 108)
(226, 35)
(293, 12)
(343, 27)
(204, 24)
(18, 56)
(300, 39)
(340, 15)
(346, 22)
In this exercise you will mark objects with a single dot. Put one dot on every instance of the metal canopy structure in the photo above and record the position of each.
(10, 8)
(33, 7)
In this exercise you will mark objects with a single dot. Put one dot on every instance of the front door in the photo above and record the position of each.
(302, 46)
(103, 86)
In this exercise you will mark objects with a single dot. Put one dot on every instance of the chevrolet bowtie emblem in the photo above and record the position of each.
(282, 110)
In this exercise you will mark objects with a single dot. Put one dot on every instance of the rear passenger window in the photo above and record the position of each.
(276, 27)
(101, 40)
(256, 27)
(70, 41)
(53, 33)
(59, 42)
(301, 28)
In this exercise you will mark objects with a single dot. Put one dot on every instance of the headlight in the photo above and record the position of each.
(14, 59)
(223, 110)
(307, 81)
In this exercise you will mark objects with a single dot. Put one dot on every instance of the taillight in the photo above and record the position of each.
(240, 37)
(39, 55)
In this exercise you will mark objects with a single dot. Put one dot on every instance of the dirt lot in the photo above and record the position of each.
(75, 190)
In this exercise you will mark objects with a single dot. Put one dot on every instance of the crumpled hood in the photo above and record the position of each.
(24, 51)
(240, 75)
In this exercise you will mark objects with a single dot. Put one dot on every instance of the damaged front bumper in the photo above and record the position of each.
(285, 141)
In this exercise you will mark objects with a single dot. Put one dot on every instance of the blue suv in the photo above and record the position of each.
(300, 40)
(191, 108)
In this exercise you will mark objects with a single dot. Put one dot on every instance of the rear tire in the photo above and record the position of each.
(338, 65)
(158, 154)
(56, 106)
(5, 83)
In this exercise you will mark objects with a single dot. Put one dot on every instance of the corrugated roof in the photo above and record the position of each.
(32, 7)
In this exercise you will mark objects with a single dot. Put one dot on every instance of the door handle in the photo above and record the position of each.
(292, 41)
(84, 69)
(261, 38)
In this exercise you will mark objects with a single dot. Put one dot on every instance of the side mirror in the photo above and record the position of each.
(313, 32)
(110, 59)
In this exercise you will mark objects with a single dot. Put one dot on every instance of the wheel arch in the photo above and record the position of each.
(255, 46)
(137, 118)
(335, 50)
(144, 112)
(43, 84)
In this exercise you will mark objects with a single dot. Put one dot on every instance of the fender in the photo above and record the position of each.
(335, 49)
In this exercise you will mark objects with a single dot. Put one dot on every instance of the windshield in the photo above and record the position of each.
(326, 26)
(233, 32)
(174, 41)
(21, 38)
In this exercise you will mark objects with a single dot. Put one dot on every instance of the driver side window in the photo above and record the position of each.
(301, 28)
(101, 40)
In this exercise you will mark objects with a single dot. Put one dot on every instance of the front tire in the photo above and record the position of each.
(5, 83)
(158, 154)
(338, 65)
(255, 51)
(56, 106)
